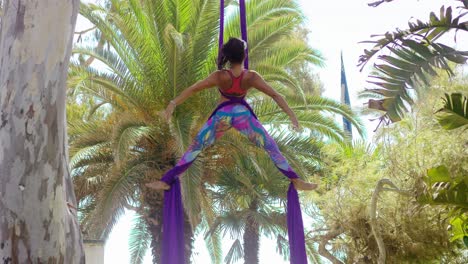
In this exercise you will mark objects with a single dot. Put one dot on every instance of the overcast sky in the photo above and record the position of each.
(335, 26)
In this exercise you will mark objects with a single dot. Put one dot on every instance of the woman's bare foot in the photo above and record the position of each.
(158, 185)
(302, 185)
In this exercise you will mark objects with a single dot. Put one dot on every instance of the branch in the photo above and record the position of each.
(402, 192)
(323, 242)
(318, 230)
(373, 214)
(377, 3)
(131, 207)
(85, 31)
(99, 46)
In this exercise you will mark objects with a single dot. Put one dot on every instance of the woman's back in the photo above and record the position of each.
(234, 83)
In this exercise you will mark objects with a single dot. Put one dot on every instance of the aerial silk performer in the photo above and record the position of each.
(233, 111)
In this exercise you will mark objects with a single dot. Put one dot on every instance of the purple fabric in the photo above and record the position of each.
(173, 218)
(290, 174)
(221, 31)
(170, 176)
(233, 100)
(173, 226)
(243, 24)
(297, 249)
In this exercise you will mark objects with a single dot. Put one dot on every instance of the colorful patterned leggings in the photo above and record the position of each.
(239, 117)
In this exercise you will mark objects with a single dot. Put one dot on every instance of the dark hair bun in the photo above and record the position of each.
(232, 51)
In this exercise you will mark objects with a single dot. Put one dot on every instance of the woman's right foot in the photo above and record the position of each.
(158, 185)
(303, 186)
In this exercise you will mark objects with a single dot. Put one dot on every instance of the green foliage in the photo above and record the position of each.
(139, 240)
(454, 114)
(459, 227)
(422, 159)
(442, 188)
(415, 55)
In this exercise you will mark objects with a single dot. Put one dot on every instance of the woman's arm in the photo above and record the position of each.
(209, 82)
(262, 86)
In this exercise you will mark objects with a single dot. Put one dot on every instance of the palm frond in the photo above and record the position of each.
(126, 135)
(139, 240)
(213, 243)
(235, 253)
(415, 55)
(454, 113)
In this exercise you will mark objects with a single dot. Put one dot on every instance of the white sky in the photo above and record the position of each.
(335, 26)
(341, 25)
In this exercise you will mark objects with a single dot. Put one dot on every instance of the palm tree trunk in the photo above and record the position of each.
(154, 203)
(188, 235)
(156, 237)
(251, 237)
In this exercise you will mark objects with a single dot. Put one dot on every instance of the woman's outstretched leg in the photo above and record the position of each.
(249, 126)
(212, 130)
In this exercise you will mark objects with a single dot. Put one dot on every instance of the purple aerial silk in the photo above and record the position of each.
(221, 31)
(295, 228)
(243, 24)
(173, 226)
(173, 213)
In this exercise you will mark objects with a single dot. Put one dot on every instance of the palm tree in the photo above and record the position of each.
(415, 53)
(250, 194)
(249, 191)
(152, 51)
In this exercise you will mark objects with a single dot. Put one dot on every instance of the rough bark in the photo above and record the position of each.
(251, 237)
(188, 235)
(154, 221)
(153, 201)
(36, 225)
(373, 215)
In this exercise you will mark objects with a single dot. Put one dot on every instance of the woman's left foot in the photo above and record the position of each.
(303, 186)
(158, 185)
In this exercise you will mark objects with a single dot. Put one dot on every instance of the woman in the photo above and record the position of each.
(233, 111)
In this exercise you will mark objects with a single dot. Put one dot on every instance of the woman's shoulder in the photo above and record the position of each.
(221, 74)
(252, 75)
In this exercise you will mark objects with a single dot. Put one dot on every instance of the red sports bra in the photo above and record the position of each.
(235, 89)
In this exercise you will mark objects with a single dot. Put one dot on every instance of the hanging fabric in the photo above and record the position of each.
(243, 25)
(173, 226)
(293, 209)
(221, 32)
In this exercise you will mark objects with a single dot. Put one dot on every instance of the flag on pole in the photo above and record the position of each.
(345, 97)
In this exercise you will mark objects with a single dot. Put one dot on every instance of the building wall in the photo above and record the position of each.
(94, 251)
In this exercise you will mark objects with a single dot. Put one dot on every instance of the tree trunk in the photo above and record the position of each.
(36, 225)
(155, 227)
(153, 202)
(251, 237)
(373, 215)
(188, 235)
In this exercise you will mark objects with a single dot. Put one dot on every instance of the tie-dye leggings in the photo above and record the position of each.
(242, 119)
